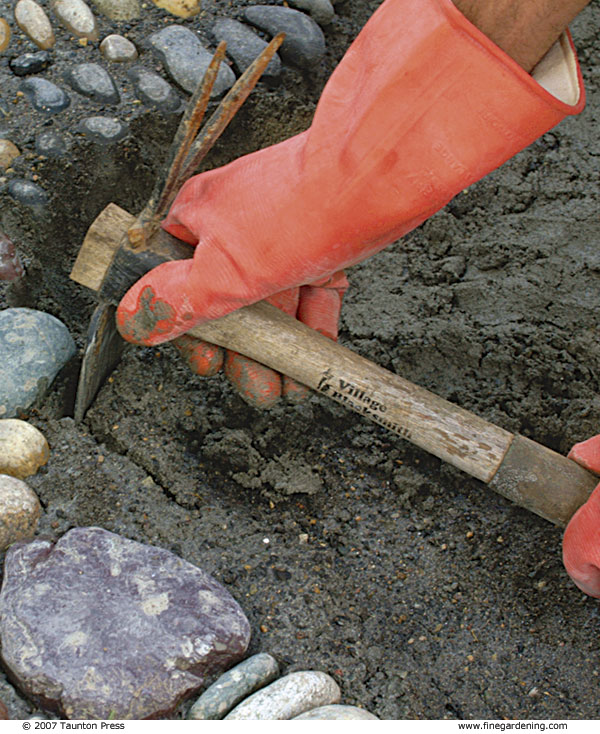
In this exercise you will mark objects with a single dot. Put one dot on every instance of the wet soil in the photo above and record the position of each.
(423, 593)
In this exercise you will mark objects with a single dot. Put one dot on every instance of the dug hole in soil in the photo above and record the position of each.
(424, 594)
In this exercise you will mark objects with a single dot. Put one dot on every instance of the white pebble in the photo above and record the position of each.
(338, 712)
(19, 511)
(23, 449)
(118, 48)
(34, 22)
(77, 17)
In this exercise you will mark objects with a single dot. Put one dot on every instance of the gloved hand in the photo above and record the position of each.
(420, 107)
(581, 541)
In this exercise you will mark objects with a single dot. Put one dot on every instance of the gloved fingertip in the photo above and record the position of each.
(258, 385)
(587, 453)
(581, 546)
(203, 358)
(294, 391)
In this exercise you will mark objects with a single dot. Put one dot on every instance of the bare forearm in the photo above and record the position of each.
(525, 29)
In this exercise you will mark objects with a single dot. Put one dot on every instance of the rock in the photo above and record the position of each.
(23, 449)
(29, 194)
(319, 10)
(77, 18)
(186, 59)
(33, 21)
(118, 48)
(118, 9)
(289, 697)
(4, 35)
(93, 81)
(50, 144)
(34, 346)
(103, 130)
(8, 152)
(304, 44)
(182, 8)
(337, 712)
(30, 63)
(243, 46)
(44, 95)
(234, 686)
(153, 90)
(20, 511)
(96, 626)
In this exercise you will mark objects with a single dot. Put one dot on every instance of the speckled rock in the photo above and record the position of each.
(118, 9)
(8, 152)
(319, 10)
(44, 95)
(30, 63)
(103, 130)
(33, 21)
(304, 44)
(153, 90)
(93, 81)
(77, 18)
(186, 59)
(23, 448)
(243, 46)
(181, 8)
(117, 48)
(29, 194)
(4, 35)
(289, 696)
(20, 511)
(234, 686)
(34, 346)
(337, 712)
(102, 627)
(50, 144)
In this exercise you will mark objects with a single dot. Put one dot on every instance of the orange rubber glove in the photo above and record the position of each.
(581, 541)
(421, 106)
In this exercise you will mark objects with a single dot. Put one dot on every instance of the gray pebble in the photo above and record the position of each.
(319, 10)
(304, 44)
(153, 90)
(93, 81)
(103, 130)
(186, 59)
(30, 63)
(289, 697)
(50, 144)
(34, 347)
(27, 193)
(44, 95)
(337, 712)
(234, 686)
(243, 46)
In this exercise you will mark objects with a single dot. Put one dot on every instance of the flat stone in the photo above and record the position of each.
(97, 626)
(186, 59)
(117, 48)
(33, 21)
(93, 81)
(30, 63)
(77, 18)
(8, 152)
(234, 686)
(34, 347)
(44, 95)
(118, 9)
(20, 511)
(4, 35)
(181, 8)
(50, 144)
(244, 45)
(289, 697)
(320, 11)
(304, 44)
(153, 90)
(103, 130)
(337, 712)
(29, 194)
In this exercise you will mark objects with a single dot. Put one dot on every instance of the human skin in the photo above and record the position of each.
(525, 29)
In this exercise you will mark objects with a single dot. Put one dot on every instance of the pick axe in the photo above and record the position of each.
(119, 248)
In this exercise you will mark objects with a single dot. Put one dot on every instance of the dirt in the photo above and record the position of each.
(423, 593)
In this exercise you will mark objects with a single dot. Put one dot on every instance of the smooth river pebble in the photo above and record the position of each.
(23, 448)
(33, 21)
(20, 511)
(337, 712)
(77, 18)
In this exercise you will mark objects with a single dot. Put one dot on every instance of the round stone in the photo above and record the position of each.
(154, 91)
(29, 194)
(44, 95)
(20, 511)
(92, 80)
(118, 9)
(8, 152)
(4, 35)
(23, 448)
(50, 144)
(30, 63)
(117, 48)
(103, 130)
(77, 18)
(33, 21)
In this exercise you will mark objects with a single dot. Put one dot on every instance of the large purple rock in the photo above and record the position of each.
(96, 626)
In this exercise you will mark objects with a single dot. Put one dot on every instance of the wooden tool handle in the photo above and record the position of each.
(529, 474)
